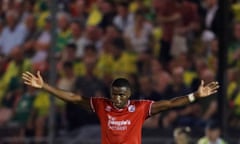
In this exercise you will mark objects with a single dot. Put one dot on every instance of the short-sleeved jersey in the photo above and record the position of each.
(121, 126)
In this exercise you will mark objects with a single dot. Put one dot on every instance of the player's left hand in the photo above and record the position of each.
(207, 90)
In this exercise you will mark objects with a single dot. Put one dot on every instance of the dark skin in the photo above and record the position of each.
(119, 95)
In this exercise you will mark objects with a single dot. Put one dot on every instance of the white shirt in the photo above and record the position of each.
(210, 16)
(122, 23)
(81, 42)
(9, 39)
(140, 43)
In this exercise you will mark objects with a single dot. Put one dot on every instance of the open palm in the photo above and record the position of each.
(209, 89)
(32, 80)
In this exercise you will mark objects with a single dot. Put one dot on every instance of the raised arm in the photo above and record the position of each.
(203, 91)
(38, 82)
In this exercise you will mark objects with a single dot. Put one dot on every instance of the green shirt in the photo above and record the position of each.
(24, 108)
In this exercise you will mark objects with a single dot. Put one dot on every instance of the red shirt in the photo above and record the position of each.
(121, 126)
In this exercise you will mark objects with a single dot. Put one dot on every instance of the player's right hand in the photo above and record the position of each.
(32, 80)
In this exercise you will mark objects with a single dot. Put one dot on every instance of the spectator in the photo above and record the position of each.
(23, 114)
(233, 97)
(176, 87)
(65, 82)
(111, 33)
(212, 134)
(138, 33)
(10, 78)
(168, 16)
(147, 92)
(78, 10)
(93, 36)
(64, 34)
(123, 18)
(42, 46)
(108, 13)
(234, 51)
(143, 40)
(31, 37)
(186, 28)
(120, 62)
(211, 18)
(90, 57)
(68, 54)
(182, 135)
(94, 89)
(13, 33)
(77, 31)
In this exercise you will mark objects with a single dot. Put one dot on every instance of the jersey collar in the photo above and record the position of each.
(128, 103)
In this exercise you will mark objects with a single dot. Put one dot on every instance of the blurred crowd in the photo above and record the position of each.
(164, 48)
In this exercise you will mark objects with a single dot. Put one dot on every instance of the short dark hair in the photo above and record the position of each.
(213, 125)
(79, 23)
(71, 45)
(68, 64)
(90, 47)
(119, 43)
(121, 82)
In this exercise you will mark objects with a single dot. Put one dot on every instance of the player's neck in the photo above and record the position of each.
(127, 103)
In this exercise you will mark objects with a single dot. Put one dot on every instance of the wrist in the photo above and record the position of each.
(196, 95)
(191, 97)
(44, 85)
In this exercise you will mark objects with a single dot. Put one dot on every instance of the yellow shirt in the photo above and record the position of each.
(13, 70)
(236, 10)
(42, 103)
(80, 69)
(188, 77)
(42, 19)
(95, 16)
(121, 67)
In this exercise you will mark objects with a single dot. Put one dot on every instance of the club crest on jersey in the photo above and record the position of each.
(108, 108)
(131, 108)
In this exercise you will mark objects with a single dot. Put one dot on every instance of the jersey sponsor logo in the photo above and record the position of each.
(119, 125)
(131, 108)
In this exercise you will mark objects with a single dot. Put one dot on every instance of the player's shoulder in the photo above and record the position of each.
(103, 99)
(141, 101)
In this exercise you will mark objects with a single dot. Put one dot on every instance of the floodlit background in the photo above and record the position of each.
(164, 48)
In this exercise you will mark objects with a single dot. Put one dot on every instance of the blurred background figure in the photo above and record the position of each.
(182, 135)
(164, 48)
(212, 134)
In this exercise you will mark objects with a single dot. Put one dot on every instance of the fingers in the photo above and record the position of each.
(30, 74)
(38, 74)
(213, 85)
(213, 92)
(27, 77)
(202, 82)
(27, 83)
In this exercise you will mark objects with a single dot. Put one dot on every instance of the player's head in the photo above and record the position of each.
(120, 92)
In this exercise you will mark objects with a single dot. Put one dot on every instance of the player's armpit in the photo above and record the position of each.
(85, 103)
(160, 106)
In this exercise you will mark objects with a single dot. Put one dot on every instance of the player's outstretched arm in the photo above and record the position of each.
(37, 81)
(203, 91)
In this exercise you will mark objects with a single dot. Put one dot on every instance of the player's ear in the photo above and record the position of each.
(129, 92)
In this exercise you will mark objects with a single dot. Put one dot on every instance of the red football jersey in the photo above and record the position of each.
(121, 126)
